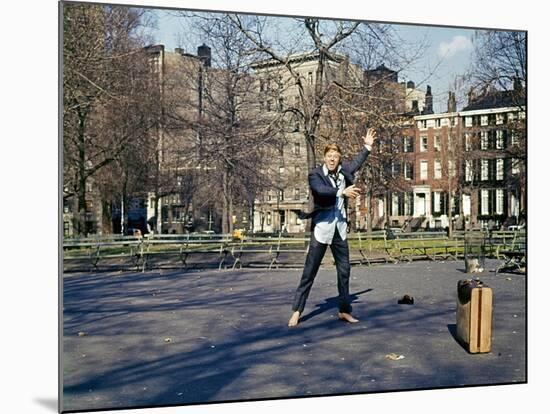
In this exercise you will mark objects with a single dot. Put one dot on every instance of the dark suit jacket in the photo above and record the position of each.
(324, 193)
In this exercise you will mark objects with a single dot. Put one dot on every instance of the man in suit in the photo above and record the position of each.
(331, 185)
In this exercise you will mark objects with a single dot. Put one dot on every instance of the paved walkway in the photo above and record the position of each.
(171, 337)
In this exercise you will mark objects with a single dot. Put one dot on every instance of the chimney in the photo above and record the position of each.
(451, 102)
(179, 51)
(205, 54)
(471, 96)
(410, 85)
(428, 104)
(518, 86)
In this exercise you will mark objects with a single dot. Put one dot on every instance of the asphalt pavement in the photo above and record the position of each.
(172, 337)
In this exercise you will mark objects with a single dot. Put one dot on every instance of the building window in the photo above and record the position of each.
(281, 170)
(468, 142)
(452, 168)
(484, 140)
(437, 201)
(484, 120)
(394, 145)
(500, 201)
(408, 144)
(408, 170)
(423, 143)
(437, 143)
(296, 194)
(422, 124)
(394, 204)
(484, 202)
(268, 218)
(297, 171)
(423, 170)
(310, 78)
(468, 121)
(296, 148)
(515, 166)
(500, 169)
(484, 170)
(501, 119)
(500, 139)
(395, 169)
(438, 123)
(468, 171)
(282, 195)
(514, 139)
(437, 169)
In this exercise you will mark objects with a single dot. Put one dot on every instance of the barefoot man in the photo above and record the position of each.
(331, 185)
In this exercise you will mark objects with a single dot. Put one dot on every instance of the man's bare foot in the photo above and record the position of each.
(293, 321)
(343, 316)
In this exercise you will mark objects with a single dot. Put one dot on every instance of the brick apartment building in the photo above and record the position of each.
(466, 167)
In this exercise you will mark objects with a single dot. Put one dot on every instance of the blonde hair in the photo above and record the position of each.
(332, 147)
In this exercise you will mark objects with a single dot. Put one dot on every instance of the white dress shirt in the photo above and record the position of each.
(327, 221)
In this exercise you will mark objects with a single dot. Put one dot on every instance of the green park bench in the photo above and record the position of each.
(185, 245)
(272, 247)
(514, 255)
(93, 251)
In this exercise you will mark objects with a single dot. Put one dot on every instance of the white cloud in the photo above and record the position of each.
(458, 44)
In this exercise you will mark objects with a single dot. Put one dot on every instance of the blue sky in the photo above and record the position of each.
(446, 57)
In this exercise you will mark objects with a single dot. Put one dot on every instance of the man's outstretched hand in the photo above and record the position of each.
(370, 137)
(352, 191)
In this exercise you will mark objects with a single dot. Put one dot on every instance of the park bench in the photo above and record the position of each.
(499, 241)
(291, 246)
(422, 245)
(431, 248)
(392, 247)
(367, 248)
(272, 247)
(96, 250)
(515, 255)
(183, 246)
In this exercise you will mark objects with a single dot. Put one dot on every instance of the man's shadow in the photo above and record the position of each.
(331, 303)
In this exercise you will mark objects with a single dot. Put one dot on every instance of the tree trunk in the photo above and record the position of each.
(107, 217)
(81, 190)
(230, 211)
(450, 202)
(368, 202)
(124, 207)
(225, 204)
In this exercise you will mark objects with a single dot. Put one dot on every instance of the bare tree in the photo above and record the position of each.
(231, 134)
(499, 74)
(323, 41)
(99, 48)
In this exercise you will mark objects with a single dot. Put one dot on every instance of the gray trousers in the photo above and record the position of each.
(340, 252)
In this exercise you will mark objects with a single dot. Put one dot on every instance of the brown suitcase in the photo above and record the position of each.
(474, 315)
